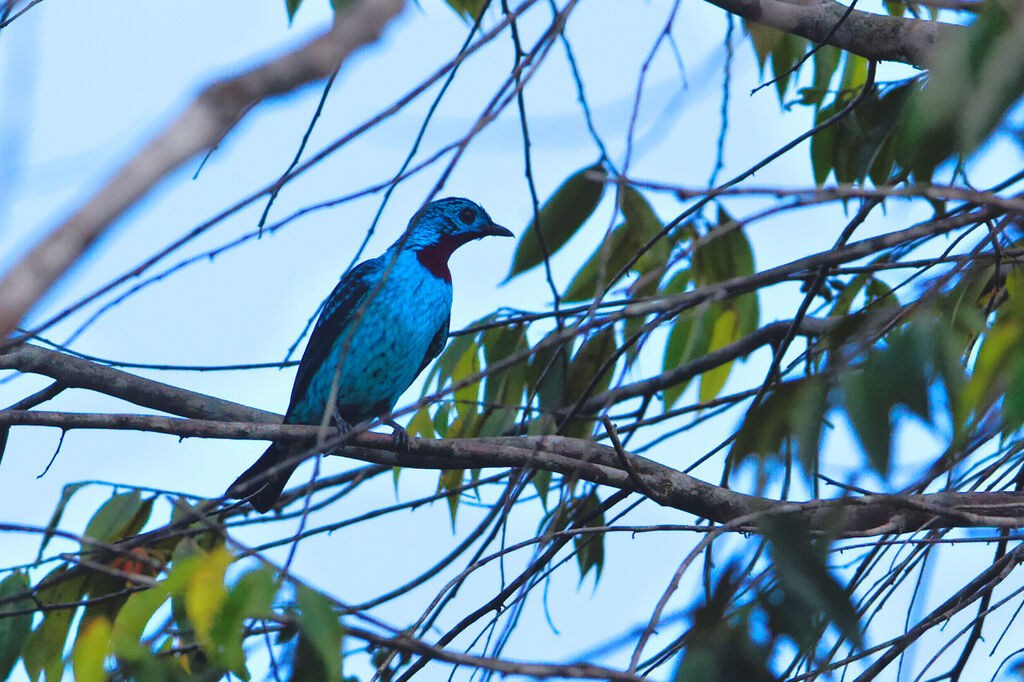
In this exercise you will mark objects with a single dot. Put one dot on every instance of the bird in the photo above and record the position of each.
(383, 323)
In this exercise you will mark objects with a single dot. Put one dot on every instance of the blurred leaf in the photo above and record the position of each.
(723, 332)
(91, 650)
(65, 497)
(45, 649)
(451, 479)
(976, 76)
(126, 632)
(467, 396)
(546, 374)
(542, 482)
(118, 517)
(794, 411)
(205, 594)
(321, 629)
(420, 425)
(469, 10)
(292, 6)
(826, 61)
(800, 567)
(14, 630)
(786, 53)
(560, 217)
(689, 339)
(763, 39)
(719, 646)
(504, 387)
(590, 546)
(861, 144)
(725, 253)
(896, 375)
(251, 597)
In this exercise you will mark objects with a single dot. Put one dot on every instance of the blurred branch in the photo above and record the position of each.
(874, 36)
(75, 372)
(868, 515)
(207, 120)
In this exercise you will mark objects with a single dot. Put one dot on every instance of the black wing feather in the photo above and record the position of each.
(436, 344)
(335, 316)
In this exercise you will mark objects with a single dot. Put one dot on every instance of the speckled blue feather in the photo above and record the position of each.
(384, 322)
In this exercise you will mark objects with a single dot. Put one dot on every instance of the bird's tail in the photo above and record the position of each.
(263, 482)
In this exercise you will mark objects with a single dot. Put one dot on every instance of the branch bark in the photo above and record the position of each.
(868, 515)
(874, 36)
(209, 118)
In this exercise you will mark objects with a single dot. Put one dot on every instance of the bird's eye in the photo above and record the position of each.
(467, 216)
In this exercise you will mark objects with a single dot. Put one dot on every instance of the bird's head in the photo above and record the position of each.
(443, 226)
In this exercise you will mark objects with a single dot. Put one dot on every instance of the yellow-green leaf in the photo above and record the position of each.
(205, 591)
(91, 649)
(723, 332)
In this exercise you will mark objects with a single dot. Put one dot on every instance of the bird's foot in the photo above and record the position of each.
(398, 433)
(344, 428)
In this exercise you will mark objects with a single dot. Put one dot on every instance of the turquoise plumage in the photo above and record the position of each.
(384, 322)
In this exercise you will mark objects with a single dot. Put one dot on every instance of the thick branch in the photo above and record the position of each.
(869, 515)
(210, 117)
(874, 36)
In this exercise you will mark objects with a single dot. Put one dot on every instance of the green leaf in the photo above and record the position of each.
(131, 621)
(469, 10)
(785, 55)
(542, 482)
(467, 396)
(65, 497)
(46, 644)
(723, 332)
(976, 76)
(205, 594)
(589, 547)
(292, 6)
(719, 645)
(689, 339)
(792, 412)
(560, 217)
(116, 517)
(585, 373)
(724, 254)
(321, 629)
(450, 479)
(826, 61)
(251, 597)
(546, 374)
(14, 630)
(620, 246)
(800, 568)
(91, 650)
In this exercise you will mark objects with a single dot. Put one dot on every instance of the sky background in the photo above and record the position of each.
(84, 85)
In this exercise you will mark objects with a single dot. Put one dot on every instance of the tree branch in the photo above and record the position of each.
(209, 118)
(874, 36)
(75, 372)
(869, 515)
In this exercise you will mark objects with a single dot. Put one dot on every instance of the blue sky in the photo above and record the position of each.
(84, 85)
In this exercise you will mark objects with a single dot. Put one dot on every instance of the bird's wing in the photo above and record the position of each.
(436, 344)
(337, 312)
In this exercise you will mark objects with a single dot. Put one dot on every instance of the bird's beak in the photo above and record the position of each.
(493, 230)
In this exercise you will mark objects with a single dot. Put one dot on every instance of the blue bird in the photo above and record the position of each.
(384, 322)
